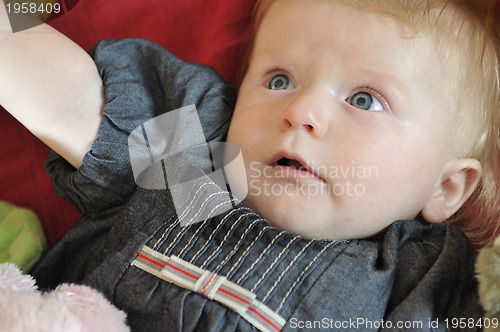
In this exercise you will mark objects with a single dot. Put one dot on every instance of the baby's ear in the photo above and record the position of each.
(458, 181)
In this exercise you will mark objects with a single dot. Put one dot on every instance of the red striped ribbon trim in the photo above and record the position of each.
(189, 276)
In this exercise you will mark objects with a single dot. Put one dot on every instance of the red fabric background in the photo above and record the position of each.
(204, 31)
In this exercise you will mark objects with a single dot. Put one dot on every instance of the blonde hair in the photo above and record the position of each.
(468, 31)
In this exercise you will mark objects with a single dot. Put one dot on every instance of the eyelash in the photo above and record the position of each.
(273, 72)
(368, 88)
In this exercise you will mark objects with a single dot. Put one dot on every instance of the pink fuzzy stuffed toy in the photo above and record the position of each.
(67, 308)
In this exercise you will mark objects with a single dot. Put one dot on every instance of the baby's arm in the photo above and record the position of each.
(51, 86)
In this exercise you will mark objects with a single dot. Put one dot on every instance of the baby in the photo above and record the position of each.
(353, 121)
(345, 97)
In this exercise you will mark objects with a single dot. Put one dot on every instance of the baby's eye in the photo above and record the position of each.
(365, 101)
(280, 82)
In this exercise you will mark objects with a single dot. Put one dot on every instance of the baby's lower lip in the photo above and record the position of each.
(295, 173)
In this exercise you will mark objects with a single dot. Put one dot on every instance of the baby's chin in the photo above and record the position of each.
(298, 223)
(312, 225)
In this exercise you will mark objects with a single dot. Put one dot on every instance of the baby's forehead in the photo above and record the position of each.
(396, 36)
(445, 20)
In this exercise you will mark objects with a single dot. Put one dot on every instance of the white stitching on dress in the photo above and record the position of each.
(162, 238)
(237, 246)
(286, 270)
(230, 231)
(264, 252)
(308, 267)
(193, 237)
(205, 203)
(219, 225)
(273, 264)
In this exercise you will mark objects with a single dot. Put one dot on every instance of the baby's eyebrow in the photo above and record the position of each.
(391, 83)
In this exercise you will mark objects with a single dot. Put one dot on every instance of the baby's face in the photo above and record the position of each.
(341, 120)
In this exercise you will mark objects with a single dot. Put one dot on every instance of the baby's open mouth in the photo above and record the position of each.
(296, 169)
(291, 163)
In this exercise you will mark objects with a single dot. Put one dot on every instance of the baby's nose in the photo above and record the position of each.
(306, 112)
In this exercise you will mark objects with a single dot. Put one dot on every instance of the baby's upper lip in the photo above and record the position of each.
(297, 158)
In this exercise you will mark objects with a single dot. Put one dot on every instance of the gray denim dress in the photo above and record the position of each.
(233, 272)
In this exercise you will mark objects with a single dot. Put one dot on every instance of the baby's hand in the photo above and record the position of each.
(51, 86)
